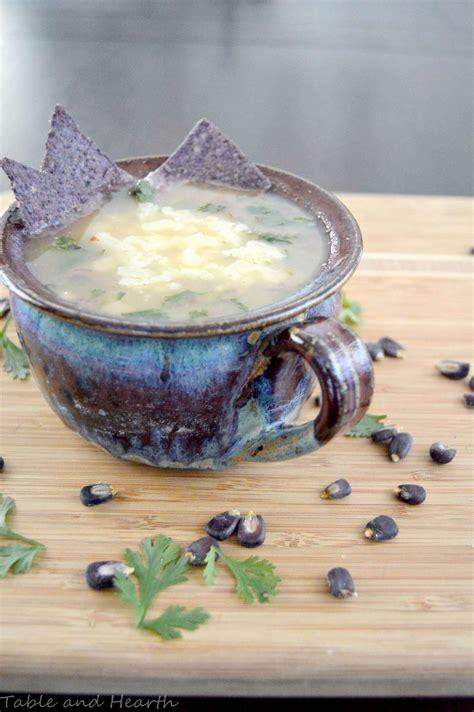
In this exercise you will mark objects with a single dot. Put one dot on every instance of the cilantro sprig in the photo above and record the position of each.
(238, 303)
(272, 217)
(350, 313)
(183, 296)
(66, 242)
(143, 191)
(211, 208)
(15, 361)
(156, 566)
(366, 426)
(175, 617)
(17, 556)
(198, 313)
(275, 237)
(255, 578)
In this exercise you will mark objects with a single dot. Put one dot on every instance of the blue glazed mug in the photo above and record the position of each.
(204, 395)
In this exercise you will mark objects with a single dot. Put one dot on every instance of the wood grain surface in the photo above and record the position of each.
(408, 632)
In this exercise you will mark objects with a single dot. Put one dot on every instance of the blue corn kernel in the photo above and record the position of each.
(251, 530)
(442, 454)
(199, 549)
(411, 494)
(223, 525)
(454, 370)
(91, 495)
(341, 583)
(337, 490)
(391, 347)
(100, 574)
(400, 446)
(381, 528)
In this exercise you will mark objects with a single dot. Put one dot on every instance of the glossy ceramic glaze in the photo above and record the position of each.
(200, 396)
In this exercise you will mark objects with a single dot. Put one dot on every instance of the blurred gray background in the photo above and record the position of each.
(357, 95)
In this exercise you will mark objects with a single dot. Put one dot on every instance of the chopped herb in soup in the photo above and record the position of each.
(190, 252)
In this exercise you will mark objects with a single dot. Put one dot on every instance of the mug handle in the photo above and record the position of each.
(343, 367)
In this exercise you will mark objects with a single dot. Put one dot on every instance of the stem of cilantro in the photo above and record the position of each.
(5, 327)
(19, 537)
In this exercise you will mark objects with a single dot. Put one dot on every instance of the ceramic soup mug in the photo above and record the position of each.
(201, 395)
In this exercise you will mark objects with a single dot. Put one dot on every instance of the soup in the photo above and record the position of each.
(193, 253)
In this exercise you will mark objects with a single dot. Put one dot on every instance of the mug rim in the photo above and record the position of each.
(338, 220)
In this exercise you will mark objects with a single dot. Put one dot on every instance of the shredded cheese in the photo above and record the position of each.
(178, 247)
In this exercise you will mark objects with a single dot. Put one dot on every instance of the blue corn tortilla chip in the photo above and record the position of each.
(44, 201)
(73, 175)
(76, 159)
(207, 156)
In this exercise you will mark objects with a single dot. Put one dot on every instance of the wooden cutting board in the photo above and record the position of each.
(407, 633)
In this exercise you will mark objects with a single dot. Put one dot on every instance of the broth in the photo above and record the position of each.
(196, 253)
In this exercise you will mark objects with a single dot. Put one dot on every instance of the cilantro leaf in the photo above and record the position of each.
(66, 242)
(15, 361)
(366, 426)
(262, 210)
(126, 589)
(157, 565)
(175, 617)
(350, 313)
(15, 557)
(6, 505)
(143, 191)
(268, 216)
(210, 571)
(198, 313)
(275, 237)
(238, 303)
(254, 577)
(211, 208)
(301, 218)
(181, 296)
(4, 307)
(97, 292)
